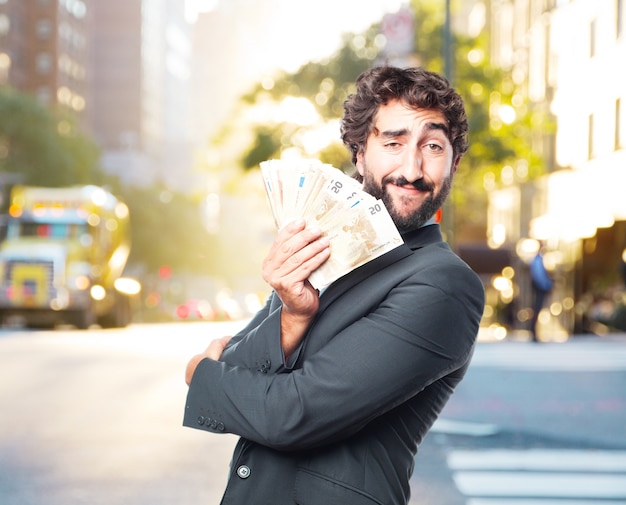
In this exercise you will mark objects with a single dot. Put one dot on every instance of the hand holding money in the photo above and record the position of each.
(356, 224)
(297, 251)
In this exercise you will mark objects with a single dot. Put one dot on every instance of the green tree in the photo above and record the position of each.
(42, 146)
(167, 229)
(498, 145)
(500, 116)
(326, 84)
(45, 147)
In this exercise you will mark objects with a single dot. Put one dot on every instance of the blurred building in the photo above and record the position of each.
(219, 77)
(566, 57)
(141, 79)
(45, 50)
(122, 66)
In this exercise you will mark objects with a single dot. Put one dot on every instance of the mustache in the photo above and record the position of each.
(419, 184)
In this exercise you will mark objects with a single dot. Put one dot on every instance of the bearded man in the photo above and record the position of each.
(332, 393)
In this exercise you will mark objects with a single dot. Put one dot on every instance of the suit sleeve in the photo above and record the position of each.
(420, 333)
(257, 346)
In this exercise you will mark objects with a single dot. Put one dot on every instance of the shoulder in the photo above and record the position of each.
(431, 251)
(445, 269)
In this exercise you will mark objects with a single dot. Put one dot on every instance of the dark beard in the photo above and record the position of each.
(422, 214)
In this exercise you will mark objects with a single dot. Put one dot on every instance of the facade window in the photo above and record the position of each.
(44, 29)
(5, 24)
(592, 39)
(5, 66)
(549, 5)
(619, 143)
(43, 63)
(44, 95)
(77, 8)
(590, 146)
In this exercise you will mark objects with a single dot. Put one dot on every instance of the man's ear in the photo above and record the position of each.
(359, 162)
(455, 165)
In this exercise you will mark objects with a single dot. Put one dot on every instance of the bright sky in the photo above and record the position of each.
(319, 36)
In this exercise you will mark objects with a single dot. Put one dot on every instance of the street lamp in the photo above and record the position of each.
(447, 43)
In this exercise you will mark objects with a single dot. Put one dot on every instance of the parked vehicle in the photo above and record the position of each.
(63, 257)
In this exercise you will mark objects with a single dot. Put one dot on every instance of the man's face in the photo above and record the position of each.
(408, 163)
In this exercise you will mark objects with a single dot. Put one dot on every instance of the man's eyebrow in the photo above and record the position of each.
(389, 134)
(393, 133)
(436, 126)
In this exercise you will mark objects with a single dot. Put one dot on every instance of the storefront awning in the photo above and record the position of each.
(484, 260)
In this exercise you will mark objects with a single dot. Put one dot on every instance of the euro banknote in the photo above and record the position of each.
(357, 225)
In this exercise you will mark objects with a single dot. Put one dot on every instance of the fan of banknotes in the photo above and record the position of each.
(357, 225)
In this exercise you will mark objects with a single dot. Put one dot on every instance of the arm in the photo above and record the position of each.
(213, 351)
(367, 369)
(296, 252)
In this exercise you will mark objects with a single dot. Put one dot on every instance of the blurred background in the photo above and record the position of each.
(131, 206)
(171, 105)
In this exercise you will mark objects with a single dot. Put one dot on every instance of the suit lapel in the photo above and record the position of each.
(351, 279)
(412, 241)
(417, 239)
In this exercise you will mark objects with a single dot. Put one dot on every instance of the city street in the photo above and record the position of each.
(94, 417)
(531, 424)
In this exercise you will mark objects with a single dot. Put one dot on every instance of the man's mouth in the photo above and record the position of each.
(419, 184)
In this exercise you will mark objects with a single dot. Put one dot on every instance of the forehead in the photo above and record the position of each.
(397, 115)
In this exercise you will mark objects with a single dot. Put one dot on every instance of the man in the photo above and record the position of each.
(332, 394)
(542, 284)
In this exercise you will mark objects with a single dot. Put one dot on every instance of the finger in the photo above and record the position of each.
(309, 257)
(292, 238)
(299, 266)
(295, 252)
(289, 230)
(290, 247)
(225, 340)
(215, 349)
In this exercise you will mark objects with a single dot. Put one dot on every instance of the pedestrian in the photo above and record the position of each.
(542, 284)
(623, 266)
(332, 393)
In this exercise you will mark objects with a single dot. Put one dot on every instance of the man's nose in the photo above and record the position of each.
(412, 166)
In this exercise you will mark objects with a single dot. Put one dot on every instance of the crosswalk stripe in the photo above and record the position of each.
(544, 485)
(551, 501)
(452, 427)
(539, 460)
(564, 357)
(539, 476)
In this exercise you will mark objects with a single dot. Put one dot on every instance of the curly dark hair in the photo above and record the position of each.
(417, 87)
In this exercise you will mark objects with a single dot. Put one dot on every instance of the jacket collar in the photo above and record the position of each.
(428, 234)
(413, 240)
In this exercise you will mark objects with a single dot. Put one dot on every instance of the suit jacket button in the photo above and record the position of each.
(243, 471)
(200, 420)
(220, 427)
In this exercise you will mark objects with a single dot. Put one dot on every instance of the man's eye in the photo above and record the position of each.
(434, 147)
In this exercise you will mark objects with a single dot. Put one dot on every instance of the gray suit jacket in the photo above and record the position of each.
(341, 423)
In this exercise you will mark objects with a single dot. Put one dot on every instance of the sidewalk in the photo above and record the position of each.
(488, 335)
